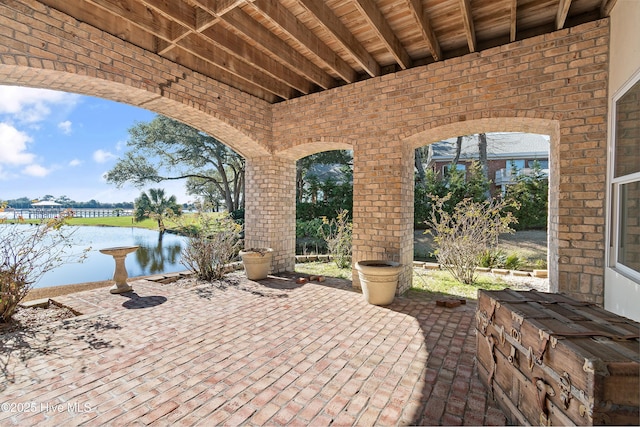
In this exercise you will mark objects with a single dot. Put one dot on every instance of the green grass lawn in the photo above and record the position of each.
(109, 221)
(441, 282)
(329, 269)
(112, 221)
(430, 281)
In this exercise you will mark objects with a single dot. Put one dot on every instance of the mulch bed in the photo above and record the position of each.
(31, 318)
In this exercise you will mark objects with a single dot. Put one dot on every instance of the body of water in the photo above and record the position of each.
(154, 256)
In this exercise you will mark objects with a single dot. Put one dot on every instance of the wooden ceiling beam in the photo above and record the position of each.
(467, 20)
(211, 62)
(513, 20)
(379, 24)
(330, 22)
(177, 11)
(606, 6)
(140, 15)
(287, 22)
(273, 45)
(563, 11)
(221, 58)
(237, 47)
(424, 23)
(218, 7)
(158, 25)
(204, 20)
(229, 42)
(163, 46)
(199, 65)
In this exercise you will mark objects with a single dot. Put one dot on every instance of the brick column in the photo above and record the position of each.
(383, 205)
(270, 208)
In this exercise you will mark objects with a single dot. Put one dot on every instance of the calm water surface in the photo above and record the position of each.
(153, 257)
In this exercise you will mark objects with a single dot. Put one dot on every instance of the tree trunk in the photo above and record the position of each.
(482, 158)
(419, 165)
(299, 185)
(239, 190)
(458, 151)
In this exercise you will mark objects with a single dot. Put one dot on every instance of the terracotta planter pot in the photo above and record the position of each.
(257, 263)
(379, 280)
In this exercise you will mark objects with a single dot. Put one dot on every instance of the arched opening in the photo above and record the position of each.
(549, 128)
(508, 166)
(324, 201)
(63, 150)
(244, 137)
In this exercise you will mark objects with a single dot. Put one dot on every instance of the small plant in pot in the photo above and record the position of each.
(257, 262)
(379, 280)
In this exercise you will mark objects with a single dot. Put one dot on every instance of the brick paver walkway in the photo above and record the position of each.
(267, 353)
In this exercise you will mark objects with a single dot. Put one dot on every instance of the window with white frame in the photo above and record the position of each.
(626, 181)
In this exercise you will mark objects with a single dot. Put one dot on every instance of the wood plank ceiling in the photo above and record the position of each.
(282, 49)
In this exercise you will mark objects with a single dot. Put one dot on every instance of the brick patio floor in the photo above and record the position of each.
(267, 353)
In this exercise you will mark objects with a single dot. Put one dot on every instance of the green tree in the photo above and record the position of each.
(531, 193)
(156, 206)
(324, 195)
(165, 149)
(304, 179)
(457, 184)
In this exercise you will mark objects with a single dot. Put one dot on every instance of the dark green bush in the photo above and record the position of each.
(531, 193)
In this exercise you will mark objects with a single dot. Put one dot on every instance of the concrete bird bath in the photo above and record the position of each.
(120, 275)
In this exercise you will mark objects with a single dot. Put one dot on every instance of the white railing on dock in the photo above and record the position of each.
(37, 213)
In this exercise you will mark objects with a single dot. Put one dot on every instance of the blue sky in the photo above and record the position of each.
(62, 144)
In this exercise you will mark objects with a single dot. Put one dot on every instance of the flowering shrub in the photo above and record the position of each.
(337, 233)
(462, 236)
(212, 243)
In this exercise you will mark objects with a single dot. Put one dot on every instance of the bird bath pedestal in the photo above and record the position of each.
(120, 274)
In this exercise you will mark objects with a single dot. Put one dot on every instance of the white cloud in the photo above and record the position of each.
(30, 105)
(102, 156)
(13, 146)
(36, 170)
(75, 162)
(120, 145)
(65, 127)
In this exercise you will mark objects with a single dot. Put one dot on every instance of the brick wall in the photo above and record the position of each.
(553, 84)
(42, 47)
(270, 208)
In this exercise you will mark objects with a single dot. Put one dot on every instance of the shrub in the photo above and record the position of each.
(456, 184)
(337, 233)
(212, 243)
(513, 262)
(531, 193)
(540, 264)
(309, 234)
(26, 255)
(492, 258)
(461, 237)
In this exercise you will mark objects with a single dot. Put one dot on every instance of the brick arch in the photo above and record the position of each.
(507, 121)
(84, 60)
(210, 122)
(315, 145)
(499, 121)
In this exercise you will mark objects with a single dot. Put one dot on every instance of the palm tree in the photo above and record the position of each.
(156, 206)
